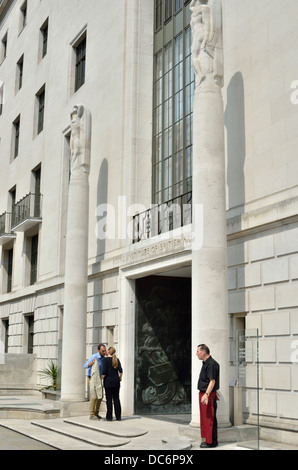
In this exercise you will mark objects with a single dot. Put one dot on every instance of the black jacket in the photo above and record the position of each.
(111, 379)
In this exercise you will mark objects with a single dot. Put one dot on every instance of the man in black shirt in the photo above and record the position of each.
(208, 385)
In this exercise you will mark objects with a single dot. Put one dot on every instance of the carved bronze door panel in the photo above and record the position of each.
(163, 339)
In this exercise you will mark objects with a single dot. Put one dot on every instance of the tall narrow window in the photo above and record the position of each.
(5, 324)
(158, 14)
(168, 9)
(80, 68)
(28, 334)
(3, 48)
(41, 105)
(9, 269)
(12, 202)
(23, 15)
(173, 96)
(44, 39)
(16, 137)
(34, 256)
(20, 67)
(37, 195)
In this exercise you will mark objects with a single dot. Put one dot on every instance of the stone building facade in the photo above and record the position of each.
(129, 63)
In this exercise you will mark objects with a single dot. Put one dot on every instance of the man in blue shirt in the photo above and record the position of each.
(99, 356)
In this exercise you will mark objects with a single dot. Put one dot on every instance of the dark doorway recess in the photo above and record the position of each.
(163, 339)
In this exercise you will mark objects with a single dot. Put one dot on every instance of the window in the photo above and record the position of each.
(158, 14)
(37, 196)
(16, 137)
(28, 334)
(172, 119)
(1, 96)
(20, 67)
(23, 16)
(12, 202)
(34, 256)
(5, 324)
(44, 31)
(168, 10)
(3, 48)
(40, 109)
(80, 65)
(9, 269)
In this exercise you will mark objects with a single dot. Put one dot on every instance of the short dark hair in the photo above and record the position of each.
(100, 345)
(205, 348)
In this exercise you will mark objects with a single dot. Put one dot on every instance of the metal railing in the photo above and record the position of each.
(163, 218)
(27, 208)
(5, 223)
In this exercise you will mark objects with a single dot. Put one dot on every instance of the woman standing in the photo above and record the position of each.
(112, 376)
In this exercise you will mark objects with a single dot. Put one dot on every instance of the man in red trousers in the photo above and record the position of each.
(208, 385)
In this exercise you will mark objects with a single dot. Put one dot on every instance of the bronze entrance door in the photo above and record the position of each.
(163, 342)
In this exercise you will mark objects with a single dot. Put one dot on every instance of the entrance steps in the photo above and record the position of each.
(81, 433)
(76, 433)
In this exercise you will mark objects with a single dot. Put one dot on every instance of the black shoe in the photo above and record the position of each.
(204, 445)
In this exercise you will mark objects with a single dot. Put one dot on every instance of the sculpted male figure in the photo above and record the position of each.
(207, 55)
(80, 138)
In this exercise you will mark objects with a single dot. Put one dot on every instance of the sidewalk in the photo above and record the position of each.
(31, 422)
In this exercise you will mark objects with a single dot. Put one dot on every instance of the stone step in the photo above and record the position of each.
(90, 435)
(55, 440)
(121, 429)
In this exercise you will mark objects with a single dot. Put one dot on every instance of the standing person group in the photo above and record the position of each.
(104, 370)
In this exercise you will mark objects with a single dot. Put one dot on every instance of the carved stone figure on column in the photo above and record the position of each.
(80, 139)
(207, 51)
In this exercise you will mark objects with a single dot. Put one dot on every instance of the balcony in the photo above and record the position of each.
(6, 235)
(26, 213)
(163, 218)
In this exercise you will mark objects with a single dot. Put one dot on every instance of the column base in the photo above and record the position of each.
(71, 409)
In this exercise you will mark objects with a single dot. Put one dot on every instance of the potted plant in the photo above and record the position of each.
(51, 372)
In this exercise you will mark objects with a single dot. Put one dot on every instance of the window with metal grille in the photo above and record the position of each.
(173, 96)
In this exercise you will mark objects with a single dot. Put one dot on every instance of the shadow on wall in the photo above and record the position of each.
(236, 151)
(102, 199)
(236, 154)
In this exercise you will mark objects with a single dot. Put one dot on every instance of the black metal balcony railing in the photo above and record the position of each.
(5, 223)
(27, 208)
(163, 218)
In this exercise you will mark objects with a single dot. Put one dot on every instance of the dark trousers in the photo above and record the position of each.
(112, 395)
(208, 419)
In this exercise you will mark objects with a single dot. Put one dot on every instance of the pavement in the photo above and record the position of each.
(32, 423)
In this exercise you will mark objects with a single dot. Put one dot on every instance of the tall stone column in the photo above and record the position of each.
(209, 257)
(76, 260)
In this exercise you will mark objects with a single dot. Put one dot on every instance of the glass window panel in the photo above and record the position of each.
(188, 130)
(158, 93)
(178, 5)
(158, 65)
(179, 48)
(158, 148)
(179, 106)
(179, 77)
(178, 167)
(158, 120)
(188, 165)
(168, 58)
(178, 136)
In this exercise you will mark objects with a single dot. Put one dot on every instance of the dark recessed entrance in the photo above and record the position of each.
(163, 342)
